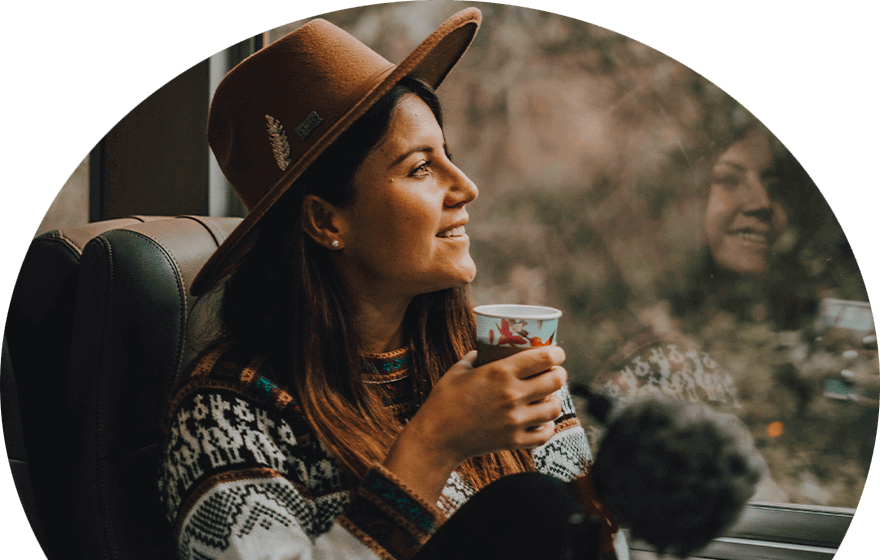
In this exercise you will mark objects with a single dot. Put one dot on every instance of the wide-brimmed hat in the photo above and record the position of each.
(279, 109)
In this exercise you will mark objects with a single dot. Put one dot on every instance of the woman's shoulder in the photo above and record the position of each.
(666, 364)
(633, 333)
(227, 359)
(227, 371)
(222, 359)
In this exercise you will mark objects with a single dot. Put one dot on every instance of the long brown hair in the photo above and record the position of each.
(287, 303)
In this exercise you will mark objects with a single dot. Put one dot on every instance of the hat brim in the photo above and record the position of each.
(431, 61)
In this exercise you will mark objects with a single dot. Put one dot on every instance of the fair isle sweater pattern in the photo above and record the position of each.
(242, 477)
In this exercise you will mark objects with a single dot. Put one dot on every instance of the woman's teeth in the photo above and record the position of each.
(454, 232)
(752, 237)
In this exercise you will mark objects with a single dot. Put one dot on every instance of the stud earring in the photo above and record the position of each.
(335, 244)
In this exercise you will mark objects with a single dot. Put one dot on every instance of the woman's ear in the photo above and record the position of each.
(323, 222)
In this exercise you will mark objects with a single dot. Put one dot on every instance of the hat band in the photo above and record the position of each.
(315, 119)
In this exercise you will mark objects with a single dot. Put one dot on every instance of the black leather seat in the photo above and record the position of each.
(34, 377)
(96, 333)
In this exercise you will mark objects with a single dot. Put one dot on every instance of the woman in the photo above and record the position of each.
(340, 413)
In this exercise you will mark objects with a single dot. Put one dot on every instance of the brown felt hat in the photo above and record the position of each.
(279, 109)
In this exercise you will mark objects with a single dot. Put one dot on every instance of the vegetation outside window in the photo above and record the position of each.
(600, 163)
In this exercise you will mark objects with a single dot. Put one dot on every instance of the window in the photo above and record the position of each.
(597, 159)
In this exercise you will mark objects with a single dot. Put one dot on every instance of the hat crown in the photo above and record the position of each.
(278, 102)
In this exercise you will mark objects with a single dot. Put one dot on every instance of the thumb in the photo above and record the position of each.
(466, 362)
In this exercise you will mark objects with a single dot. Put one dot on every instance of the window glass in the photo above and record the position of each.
(691, 254)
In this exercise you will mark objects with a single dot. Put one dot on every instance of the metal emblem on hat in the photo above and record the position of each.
(280, 146)
(305, 129)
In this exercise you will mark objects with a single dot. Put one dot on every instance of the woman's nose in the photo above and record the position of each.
(756, 194)
(461, 189)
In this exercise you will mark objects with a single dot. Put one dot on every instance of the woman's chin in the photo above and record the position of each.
(751, 262)
(750, 266)
(461, 277)
(437, 285)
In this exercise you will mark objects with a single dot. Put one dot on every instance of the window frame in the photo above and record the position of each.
(774, 531)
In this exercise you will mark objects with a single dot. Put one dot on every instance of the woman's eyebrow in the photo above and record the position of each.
(417, 149)
(411, 151)
(737, 166)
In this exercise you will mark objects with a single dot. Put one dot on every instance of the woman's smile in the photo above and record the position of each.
(454, 233)
(760, 236)
(751, 238)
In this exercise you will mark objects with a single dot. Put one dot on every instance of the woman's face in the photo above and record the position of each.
(742, 221)
(405, 228)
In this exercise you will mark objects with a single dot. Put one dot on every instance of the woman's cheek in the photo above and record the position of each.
(715, 221)
(780, 218)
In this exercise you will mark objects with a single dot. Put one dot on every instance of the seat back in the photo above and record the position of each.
(35, 365)
(129, 342)
(105, 344)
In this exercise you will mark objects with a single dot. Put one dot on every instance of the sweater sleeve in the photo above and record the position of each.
(238, 484)
(567, 454)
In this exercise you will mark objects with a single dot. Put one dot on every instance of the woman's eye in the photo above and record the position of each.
(421, 170)
(727, 180)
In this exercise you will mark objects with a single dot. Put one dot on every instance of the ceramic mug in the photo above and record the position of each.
(506, 329)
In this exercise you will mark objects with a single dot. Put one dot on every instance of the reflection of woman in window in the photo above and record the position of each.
(734, 277)
(744, 219)
(744, 223)
(754, 238)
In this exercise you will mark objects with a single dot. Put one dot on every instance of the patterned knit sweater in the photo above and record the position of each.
(243, 477)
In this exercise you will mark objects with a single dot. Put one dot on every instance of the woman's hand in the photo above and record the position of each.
(507, 404)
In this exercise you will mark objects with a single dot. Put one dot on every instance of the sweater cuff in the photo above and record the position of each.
(391, 515)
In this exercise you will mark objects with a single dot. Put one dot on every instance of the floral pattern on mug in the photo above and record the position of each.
(513, 332)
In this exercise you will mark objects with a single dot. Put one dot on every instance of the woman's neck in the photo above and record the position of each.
(379, 325)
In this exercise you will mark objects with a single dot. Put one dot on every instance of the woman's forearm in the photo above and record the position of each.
(419, 465)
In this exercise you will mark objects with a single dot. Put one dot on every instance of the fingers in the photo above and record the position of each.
(535, 436)
(547, 410)
(538, 387)
(536, 360)
(538, 422)
(527, 377)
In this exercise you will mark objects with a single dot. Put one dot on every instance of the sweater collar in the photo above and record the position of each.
(386, 365)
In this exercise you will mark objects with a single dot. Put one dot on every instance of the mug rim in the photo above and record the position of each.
(518, 311)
